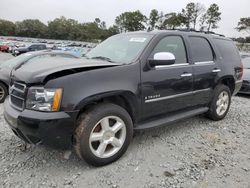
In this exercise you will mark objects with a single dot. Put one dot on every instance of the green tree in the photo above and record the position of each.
(7, 28)
(188, 14)
(131, 21)
(161, 20)
(153, 19)
(31, 28)
(212, 17)
(173, 20)
(203, 20)
(113, 30)
(62, 28)
(191, 14)
(244, 25)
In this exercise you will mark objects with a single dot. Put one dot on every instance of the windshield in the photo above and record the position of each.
(14, 61)
(122, 49)
(246, 63)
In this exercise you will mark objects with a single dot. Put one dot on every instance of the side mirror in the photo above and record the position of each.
(162, 58)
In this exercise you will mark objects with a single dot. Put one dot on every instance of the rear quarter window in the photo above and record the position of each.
(227, 50)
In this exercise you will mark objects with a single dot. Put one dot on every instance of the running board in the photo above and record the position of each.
(171, 119)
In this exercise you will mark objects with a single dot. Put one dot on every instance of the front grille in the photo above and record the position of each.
(17, 95)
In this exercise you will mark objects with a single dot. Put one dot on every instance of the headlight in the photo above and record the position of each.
(42, 99)
(16, 51)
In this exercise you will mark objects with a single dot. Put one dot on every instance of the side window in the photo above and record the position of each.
(201, 49)
(227, 50)
(174, 45)
(32, 47)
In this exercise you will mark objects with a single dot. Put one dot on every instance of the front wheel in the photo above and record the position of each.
(103, 134)
(220, 103)
(3, 92)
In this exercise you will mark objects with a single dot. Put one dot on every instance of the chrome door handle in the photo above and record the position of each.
(216, 70)
(186, 75)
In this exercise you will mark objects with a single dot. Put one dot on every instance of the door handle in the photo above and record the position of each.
(216, 70)
(186, 74)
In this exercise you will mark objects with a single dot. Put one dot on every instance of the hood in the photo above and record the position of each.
(246, 74)
(38, 70)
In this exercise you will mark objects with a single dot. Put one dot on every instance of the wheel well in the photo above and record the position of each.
(7, 87)
(119, 100)
(228, 81)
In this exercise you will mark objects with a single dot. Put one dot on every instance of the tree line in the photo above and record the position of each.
(193, 16)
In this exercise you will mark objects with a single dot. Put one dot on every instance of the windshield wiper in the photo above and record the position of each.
(103, 58)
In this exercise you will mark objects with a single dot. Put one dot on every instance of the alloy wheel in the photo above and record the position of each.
(2, 93)
(222, 103)
(107, 137)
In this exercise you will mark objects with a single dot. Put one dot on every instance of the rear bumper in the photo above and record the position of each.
(238, 85)
(52, 129)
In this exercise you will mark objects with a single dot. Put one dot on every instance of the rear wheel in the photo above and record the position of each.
(3, 92)
(220, 103)
(103, 134)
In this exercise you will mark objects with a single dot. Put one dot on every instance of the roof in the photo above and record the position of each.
(181, 31)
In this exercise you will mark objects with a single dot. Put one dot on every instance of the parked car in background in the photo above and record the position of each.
(33, 47)
(14, 45)
(6, 67)
(129, 82)
(245, 89)
(244, 55)
(4, 47)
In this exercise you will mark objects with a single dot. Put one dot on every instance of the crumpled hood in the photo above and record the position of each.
(37, 70)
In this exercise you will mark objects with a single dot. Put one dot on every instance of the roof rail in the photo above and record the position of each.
(193, 30)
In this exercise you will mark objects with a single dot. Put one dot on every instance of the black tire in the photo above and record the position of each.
(87, 122)
(3, 92)
(212, 113)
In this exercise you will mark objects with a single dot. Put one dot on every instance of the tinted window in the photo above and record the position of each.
(227, 50)
(33, 46)
(174, 45)
(201, 49)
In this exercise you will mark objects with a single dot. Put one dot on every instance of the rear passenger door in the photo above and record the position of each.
(205, 68)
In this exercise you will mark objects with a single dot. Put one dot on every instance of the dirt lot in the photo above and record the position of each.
(193, 153)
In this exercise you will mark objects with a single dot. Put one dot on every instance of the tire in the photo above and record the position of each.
(93, 122)
(218, 108)
(3, 92)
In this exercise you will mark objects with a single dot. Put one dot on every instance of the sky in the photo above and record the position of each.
(107, 10)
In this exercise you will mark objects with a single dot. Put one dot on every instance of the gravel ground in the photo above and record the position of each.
(193, 153)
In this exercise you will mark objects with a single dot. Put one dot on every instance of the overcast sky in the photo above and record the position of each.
(107, 10)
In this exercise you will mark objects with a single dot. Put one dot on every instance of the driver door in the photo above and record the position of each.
(168, 88)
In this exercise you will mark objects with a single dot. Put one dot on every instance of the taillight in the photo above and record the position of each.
(241, 70)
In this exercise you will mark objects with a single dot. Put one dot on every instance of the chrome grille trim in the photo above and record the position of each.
(17, 95)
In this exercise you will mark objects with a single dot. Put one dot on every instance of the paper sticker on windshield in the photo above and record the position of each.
(137, 39)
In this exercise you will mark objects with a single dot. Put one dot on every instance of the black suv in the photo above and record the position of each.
(129, 82)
